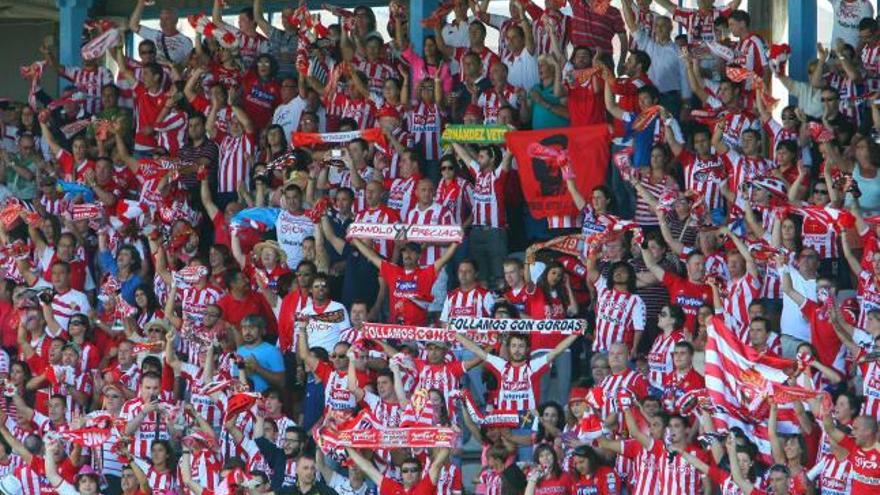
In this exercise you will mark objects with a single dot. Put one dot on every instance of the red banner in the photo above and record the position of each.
(586, 150)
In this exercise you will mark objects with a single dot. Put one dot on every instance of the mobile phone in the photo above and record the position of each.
(336, 154)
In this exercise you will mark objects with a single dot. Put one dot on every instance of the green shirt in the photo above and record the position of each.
(19, 186)
(542, 117)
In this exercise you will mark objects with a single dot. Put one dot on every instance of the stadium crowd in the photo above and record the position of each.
(182, 309)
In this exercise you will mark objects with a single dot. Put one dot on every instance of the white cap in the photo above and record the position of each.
(10, 485)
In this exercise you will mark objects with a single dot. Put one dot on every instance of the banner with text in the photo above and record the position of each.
(398, 231)
(474, 134)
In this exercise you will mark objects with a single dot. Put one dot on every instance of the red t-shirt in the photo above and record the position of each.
(260, 99)
(865, 465)
(688, 295)
(148, 107)
(822, 333)
(409, 292)
(390, 487)
(555, 486)
(247, 237)
(234, 310)
(603, 482)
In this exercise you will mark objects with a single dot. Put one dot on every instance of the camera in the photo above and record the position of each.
(46, 296)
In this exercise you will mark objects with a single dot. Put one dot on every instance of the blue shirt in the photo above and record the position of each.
(542, 117)
(268, 356)
(107, 263)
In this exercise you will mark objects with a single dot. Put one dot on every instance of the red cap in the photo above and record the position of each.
(578, 394)
(387, 111)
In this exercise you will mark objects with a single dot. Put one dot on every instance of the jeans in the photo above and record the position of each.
(488, 249)
(556, 383)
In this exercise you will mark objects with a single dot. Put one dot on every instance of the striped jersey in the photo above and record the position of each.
(644, 213)
(737, 122)
(705, 176)
(236, 153)
(871, 388)
(488, 199)
(474, 303)
(402, 194)
(455, 196)
(249, 46)
(754, 52)
(426, 121)
(432, 215)
(377, 73)
(380, 214)
(153, 427)
(660, 366)
(519, 385)
(832, 477)
(627, 379)
(491, 100)
(868, 296)
(171, 132)
(646, 466)
(677, 476)
(699, 25)
(487, 58)
(541, 32)
(88, 82)
(445, 377)
(618, 315)
(740, 294)
(742, 169)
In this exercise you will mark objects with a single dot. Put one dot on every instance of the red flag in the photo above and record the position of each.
(586, 151)
(239, 403)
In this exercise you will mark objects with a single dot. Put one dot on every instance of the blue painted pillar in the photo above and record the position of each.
(801, 36)
(72, 16)
(418, 10)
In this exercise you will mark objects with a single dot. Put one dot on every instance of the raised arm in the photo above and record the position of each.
(134, 22)
(205, 194)
(302, 348)
(741, 481)
(446, 257)
(262, 23)
(471, 346)
(629, 17)
(718, 138)
(366, 466)
(787, 285)
(694, 79)
(854, 265)
(437, 463)
(561, 347)
(651, 264)
(368, 253)
(776, 449)
(610, 104)
(751, 268)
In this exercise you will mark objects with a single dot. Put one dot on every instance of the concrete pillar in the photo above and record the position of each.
(73, 14)
(418, 10)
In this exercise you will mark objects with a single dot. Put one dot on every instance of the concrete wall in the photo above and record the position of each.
(20, 40)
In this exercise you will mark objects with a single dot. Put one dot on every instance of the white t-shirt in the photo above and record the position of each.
(325, 326)
(342, 486)
(68, 304)
(289, 114)
(847, 15)
(793, 323)
(291, 231)
(178, 46)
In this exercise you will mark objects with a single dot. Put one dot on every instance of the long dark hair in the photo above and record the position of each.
(631, 278)
(542, 434)
(152, 301)
(556, 469)
(545, 286)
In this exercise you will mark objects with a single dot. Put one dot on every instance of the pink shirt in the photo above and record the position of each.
(421, 70)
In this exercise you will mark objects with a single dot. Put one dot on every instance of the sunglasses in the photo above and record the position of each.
(78, 322)
(319, 286)
(338, 356)
(148, 52)
(409, 470)
(820, 191)
(446, 167)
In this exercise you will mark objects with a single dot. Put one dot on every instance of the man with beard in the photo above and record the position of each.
(519, 376)
(283, 459)
(261, 360)
(327, 319)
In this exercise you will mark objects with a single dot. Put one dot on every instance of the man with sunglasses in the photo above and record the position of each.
(412, 481)
(327, 319)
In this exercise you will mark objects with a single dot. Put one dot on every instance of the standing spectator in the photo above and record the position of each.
(282, 42)
(847, 15)
(174, 46)
(595, 30)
